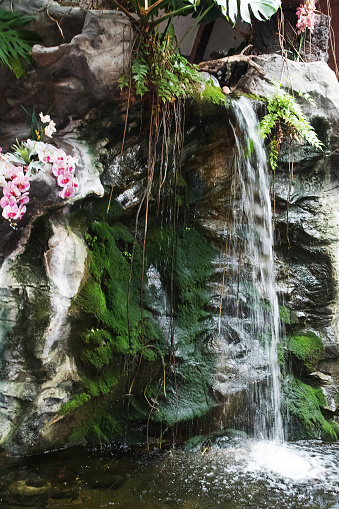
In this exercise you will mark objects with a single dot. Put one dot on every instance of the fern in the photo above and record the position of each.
(285, 118)
(15, 43)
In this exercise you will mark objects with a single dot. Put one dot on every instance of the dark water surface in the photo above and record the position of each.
(230, 475)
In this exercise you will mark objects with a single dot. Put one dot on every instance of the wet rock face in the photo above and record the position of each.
(65, 271)
(47, 268)
(306, 220)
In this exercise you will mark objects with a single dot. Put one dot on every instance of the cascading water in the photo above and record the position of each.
(250, 309)
(227, 469)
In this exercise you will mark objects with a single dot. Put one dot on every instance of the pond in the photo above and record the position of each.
(232, 473)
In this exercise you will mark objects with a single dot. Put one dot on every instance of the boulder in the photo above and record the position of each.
(71, 77)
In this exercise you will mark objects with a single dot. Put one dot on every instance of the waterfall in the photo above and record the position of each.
(250, 310)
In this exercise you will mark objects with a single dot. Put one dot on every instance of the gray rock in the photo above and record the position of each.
(321, 377)
(208, 77)
(72, 77)
(314, 78)
(38, 373)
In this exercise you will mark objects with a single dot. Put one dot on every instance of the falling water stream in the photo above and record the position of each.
(252, 236)
(231, 471)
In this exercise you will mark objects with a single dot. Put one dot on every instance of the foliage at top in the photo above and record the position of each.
(148, 15)
(158, 70)
(285, 118)
(157, 67)
(261, 9)
(15, 43)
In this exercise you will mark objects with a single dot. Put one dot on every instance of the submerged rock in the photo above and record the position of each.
(29, 488)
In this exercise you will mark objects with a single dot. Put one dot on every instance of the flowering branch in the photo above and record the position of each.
(31, 157)
(306, 17)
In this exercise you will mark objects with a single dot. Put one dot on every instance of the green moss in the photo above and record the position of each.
(97, 421)
(214, 95)
(111, 293)
(285, 315)
(75, 403)
(184, 261)
(307, 349)
(123, 350)
(121, 331)
(303, 404)
(281, 355)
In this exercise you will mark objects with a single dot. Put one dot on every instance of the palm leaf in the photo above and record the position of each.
(15, 45)
(261, 9)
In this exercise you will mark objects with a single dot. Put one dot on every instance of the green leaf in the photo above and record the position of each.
(15, 44)
(261, 9)
(284, 111)
(16, 67)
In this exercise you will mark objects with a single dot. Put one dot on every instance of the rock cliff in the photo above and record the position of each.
(95, 348)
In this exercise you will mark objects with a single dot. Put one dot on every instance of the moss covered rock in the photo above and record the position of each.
(307, 350)
(184, 261)
(303, 405)
(117, 340)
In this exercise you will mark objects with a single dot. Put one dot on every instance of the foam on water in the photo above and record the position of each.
(286, 461)
(259, 475)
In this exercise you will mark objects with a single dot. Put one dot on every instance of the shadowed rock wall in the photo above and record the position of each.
(83, 356)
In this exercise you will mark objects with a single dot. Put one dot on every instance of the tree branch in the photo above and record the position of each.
(214, 66)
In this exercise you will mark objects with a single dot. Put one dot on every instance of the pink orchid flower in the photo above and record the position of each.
(7, 200)
(22, 183)
(11, 211)
(14, 171)
(22, 211)
(11, 190)
(58, 169)
(67, 192)
(60, 158)
(65, 178)
(306, 17)
(23, 199)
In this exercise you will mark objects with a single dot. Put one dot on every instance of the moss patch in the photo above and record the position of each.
(111, 294)
(285, 315)
(308, 349)
(183, 259)
(184, 262)
(303, 406)
(120, 333)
